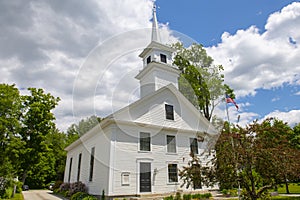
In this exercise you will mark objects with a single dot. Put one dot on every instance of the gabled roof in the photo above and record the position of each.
(110, 119)
(180, 98)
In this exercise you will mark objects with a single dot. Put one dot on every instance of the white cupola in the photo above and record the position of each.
(158, 70)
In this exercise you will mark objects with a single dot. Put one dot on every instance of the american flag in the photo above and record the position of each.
(230, 100)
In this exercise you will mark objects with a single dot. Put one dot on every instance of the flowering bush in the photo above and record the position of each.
(69, 189)
(77, 187)
(64, 187)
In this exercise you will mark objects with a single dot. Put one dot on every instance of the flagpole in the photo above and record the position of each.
(227, 110)
(232, 143)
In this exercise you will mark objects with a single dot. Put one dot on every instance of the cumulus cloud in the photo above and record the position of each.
(262, 59)
(86, 52)
(255, 60)
(292, 117)
(45, 44)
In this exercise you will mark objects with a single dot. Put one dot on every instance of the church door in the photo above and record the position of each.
(145, 177)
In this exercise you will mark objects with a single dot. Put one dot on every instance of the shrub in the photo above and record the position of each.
(201, 196)
(64, 187)
(8, 193)
(57, 185)
(90, 197)
(233, 192)
(82, 196)
(169, 198)
(103, 195)
(225, 192)
(19, 186)
(187, 197)
(68, 189)
(7, 187)
(177, 196)
(79, 196)
(207, 195)
(3, 185)
(77, 187)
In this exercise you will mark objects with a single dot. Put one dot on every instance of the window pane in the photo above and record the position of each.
(163, 58)
(169, 112)
(70, 169)
(145, 141)
(148, 59)
(171, 144)
(194, 145)
(79, 165)
(92, 164)
(172, 173)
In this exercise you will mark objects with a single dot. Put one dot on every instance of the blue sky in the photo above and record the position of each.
(86, 52)
(206, 21)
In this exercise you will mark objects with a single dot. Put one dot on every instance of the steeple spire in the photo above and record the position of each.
(155, 34)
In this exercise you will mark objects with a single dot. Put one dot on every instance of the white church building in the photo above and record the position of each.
(139, 150)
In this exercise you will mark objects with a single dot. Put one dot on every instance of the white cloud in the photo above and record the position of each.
(291, 117)
(254, 60)
(275, 99)
(45, 44)
(85, 52)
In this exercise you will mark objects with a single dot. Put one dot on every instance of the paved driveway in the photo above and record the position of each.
(39, 195)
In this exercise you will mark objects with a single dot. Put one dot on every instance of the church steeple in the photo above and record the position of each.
(155, 33)
(157, 69)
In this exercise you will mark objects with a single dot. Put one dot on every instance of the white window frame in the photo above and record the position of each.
(168, 180)
(194, 138)
(139, 146)
(173, 112)
(175, 138)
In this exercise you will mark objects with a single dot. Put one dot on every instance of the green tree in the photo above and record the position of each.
(295, 139)
(10, 143)
(200, 81)
(57, 142)
(75, 131)
(259, 156)
(284, 154)
(37, 122)
(30, 146)
(196, 175)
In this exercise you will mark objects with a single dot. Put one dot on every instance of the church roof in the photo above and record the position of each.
(179, 97)
(113, 118)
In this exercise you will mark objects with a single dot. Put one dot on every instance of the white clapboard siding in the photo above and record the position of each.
(116, 142)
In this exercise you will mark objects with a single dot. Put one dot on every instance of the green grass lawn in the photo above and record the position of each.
(293, 187)
(18, 196)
